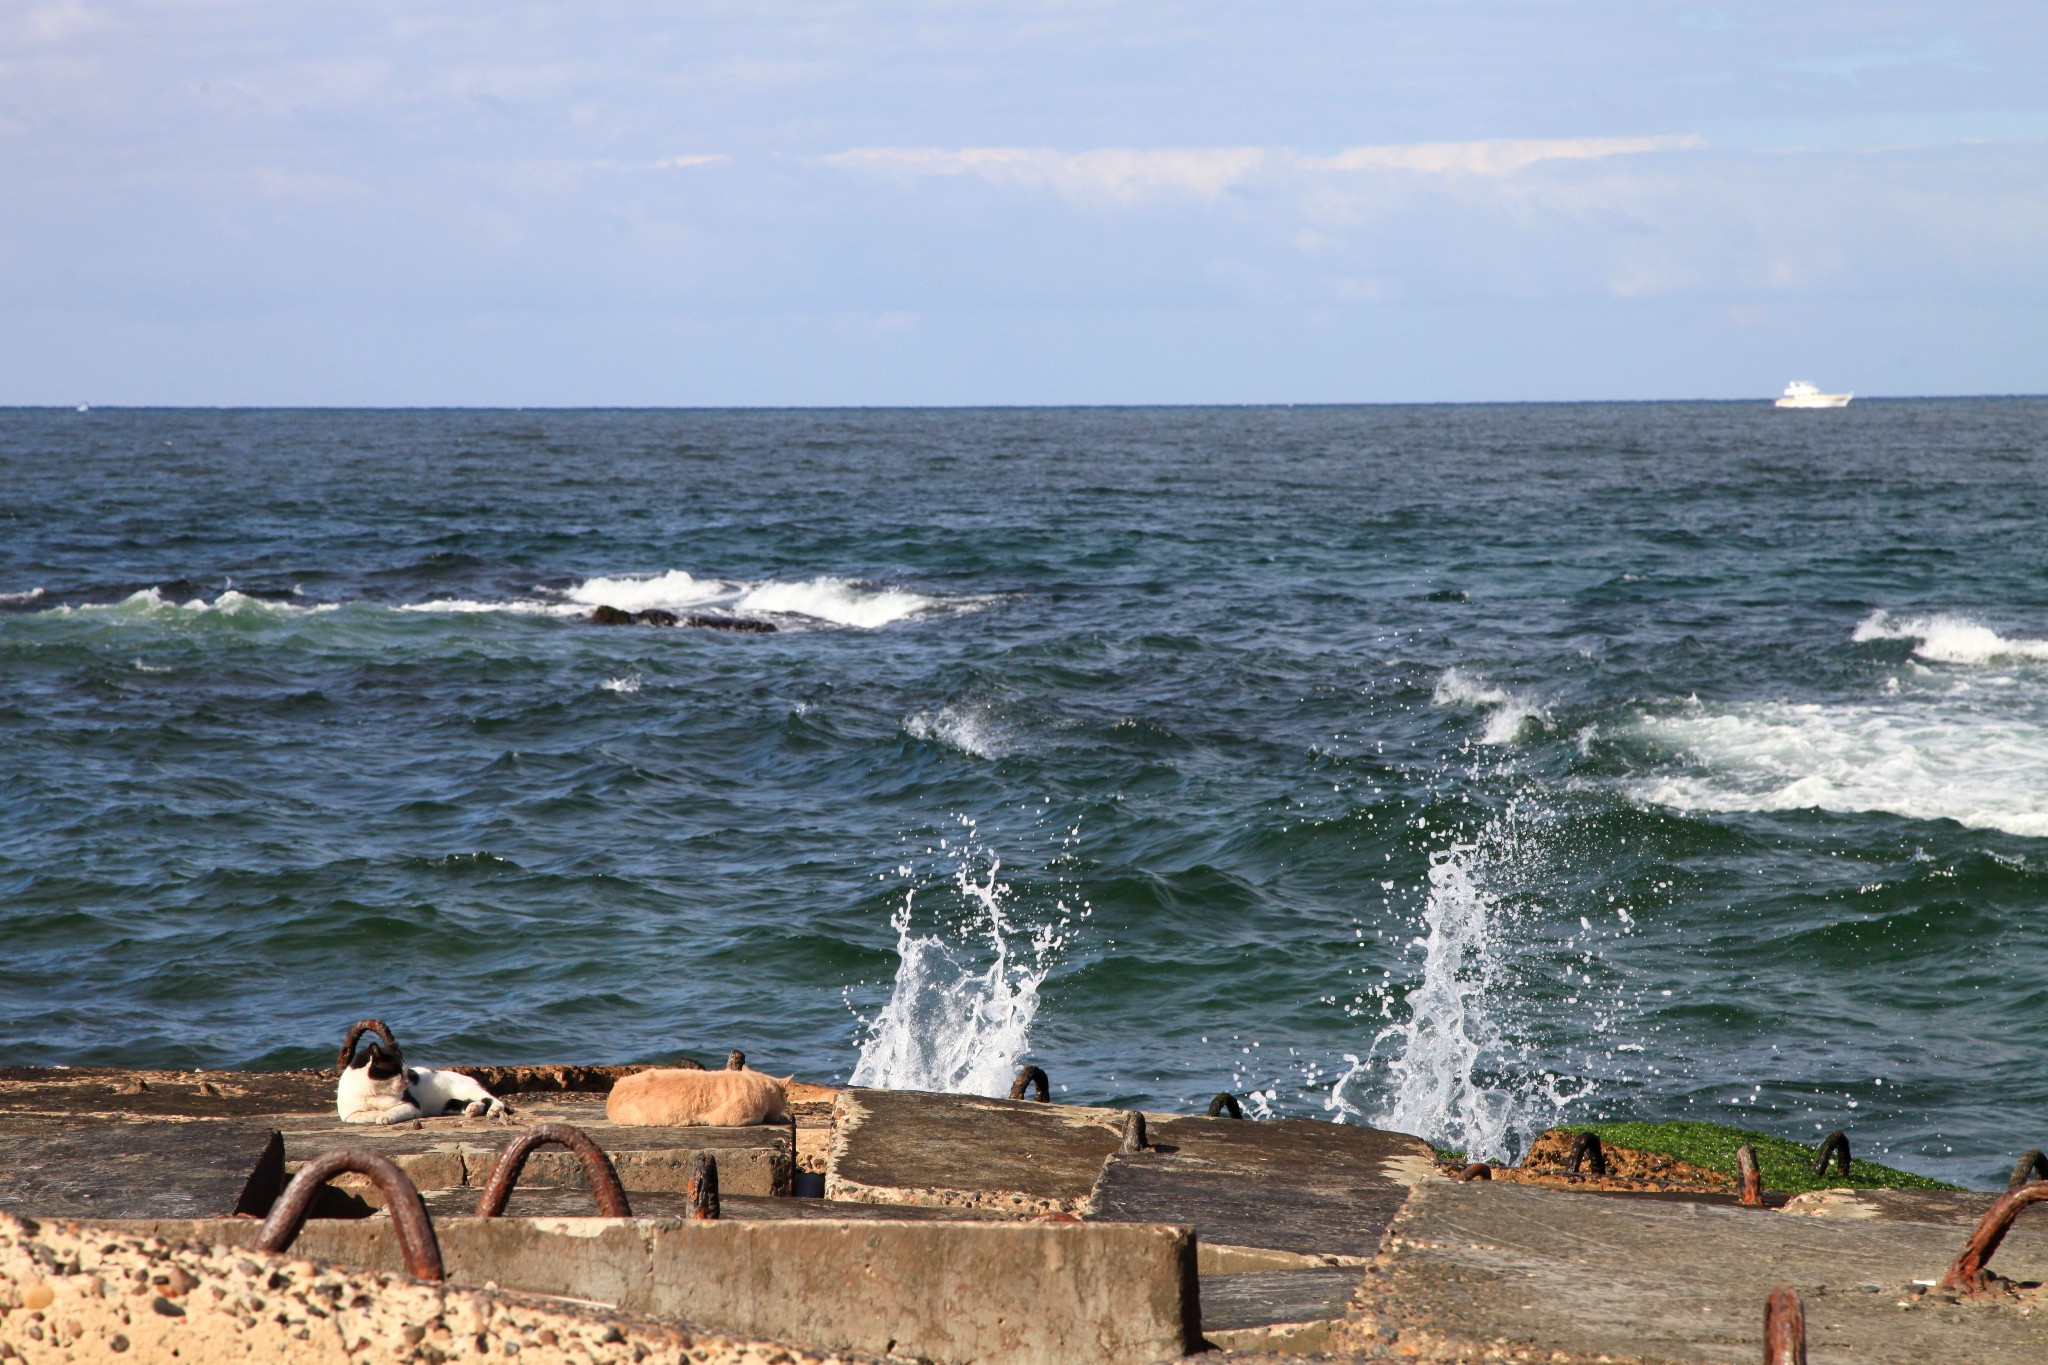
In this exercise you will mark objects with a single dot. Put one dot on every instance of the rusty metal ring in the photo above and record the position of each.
(1225, 1102)
(597, 1168)
(703, 1190)
(1478, 1170)
(417, 1244)
(1835, 1145)
(1586, 1148)
(1749, 1179)
(2030, 1167)
(1968, 1274)
(1784, 1328)
(1033, 1078)
(356, 1031)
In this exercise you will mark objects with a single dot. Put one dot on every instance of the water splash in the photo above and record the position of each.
(960, 1012)
(1462, 1068)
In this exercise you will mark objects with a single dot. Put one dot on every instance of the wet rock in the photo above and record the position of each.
(655, 616)
(610, 616)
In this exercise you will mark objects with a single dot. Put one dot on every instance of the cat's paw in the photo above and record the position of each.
(476, 1109)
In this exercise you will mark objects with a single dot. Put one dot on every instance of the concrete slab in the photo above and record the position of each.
(64, 1091)
(1505, 1272)
(1040, 1294)
(961, 1151)
(1291, 1185)
(92, 1166)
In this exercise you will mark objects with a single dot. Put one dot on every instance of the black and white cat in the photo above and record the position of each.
(376, 1085)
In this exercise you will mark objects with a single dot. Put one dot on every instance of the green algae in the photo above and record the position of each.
(1786, 1167)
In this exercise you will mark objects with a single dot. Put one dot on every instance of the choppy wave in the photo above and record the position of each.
(1922, 761)
(17, 598)
(1506, 712)
(1941, 638)
(970, 729)
(152, 603)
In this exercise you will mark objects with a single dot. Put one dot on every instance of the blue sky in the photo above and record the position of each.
(227, 201)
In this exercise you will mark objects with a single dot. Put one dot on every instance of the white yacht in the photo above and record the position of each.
(1800, 394)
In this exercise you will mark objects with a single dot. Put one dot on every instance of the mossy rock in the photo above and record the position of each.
(1786, 1167)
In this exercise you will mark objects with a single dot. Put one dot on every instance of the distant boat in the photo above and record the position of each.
(1800, 394)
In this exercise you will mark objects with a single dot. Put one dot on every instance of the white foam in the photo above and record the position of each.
(32, 595)
(960, 1011)
(1925, 758)
(838, 600)
(667, 592)
(969, 729)
(1947, 639)
(1507, 712)
(626, 685)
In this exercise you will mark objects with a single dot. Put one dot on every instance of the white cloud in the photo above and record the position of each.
(1116, 174)
(685, 162)
(1124, 175)
(1495, 156)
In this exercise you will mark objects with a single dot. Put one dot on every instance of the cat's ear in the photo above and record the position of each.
(784, 1082)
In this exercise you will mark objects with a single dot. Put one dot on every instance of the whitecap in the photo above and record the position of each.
(1507, 712)
(1948, 639)
(628, 684)
(465, 606)
(32, 595)
(1922, 760)
(152, 604)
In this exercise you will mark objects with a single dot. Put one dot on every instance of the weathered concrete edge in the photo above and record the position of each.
(70, 1291)
(848, 1114)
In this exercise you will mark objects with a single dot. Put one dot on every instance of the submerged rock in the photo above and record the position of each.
(656, 616)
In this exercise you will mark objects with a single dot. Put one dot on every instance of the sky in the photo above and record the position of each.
(1081, 201)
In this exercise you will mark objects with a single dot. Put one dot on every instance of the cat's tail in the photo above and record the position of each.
(356, 1031)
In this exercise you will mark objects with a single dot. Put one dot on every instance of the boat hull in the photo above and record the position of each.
(1816, 400)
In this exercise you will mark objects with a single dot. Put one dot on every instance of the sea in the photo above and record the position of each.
(1465, 770)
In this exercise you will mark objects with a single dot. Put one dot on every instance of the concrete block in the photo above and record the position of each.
(1487, 1270)
(961, 1151)
(1036, 1294)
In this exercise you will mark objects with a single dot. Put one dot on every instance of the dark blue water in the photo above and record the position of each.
(1672, 760)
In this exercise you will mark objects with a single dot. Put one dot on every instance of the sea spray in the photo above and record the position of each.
(965, 996)
(1465, 1067)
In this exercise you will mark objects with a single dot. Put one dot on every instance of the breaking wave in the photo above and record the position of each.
(825, 600)
(1931, 761)
(1941, 638)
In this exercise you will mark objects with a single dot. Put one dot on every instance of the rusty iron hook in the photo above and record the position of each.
(1133, 1133)
(1478, 1170)
(1749, 1180)
(1784, 1328)
(1032, 1078)
(597, 1168)
(356, 1031)
(1968, 1274)
(703, 1196)
(2030, 1167)
(1586, 1148)
(1225, 1103)
(417, 1244)
(1835, 1145)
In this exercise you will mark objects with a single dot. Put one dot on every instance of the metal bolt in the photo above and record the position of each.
(1784, 1328)
(1134, 1132)
(1749, 1179)
(703, 1197)
(735, 1060)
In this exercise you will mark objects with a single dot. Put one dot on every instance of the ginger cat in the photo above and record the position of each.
(671, 1097)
